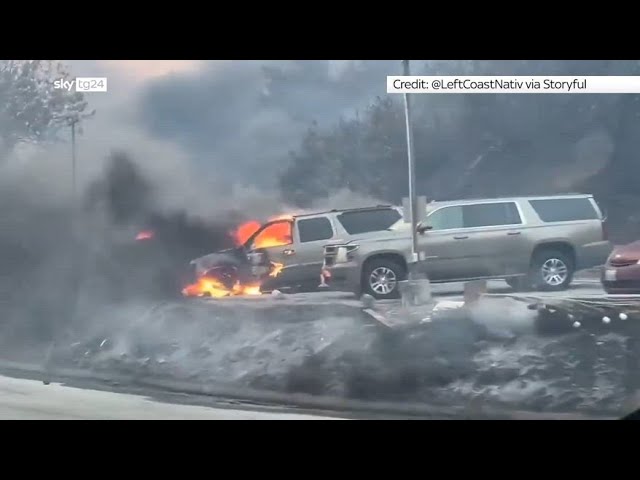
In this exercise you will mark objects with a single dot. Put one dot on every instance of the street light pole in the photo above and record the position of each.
(73, 162)
(413, 201)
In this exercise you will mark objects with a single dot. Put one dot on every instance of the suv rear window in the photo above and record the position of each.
(491, 214)
(313, 229)
(564, 209)
(479, 215)
(368, 220)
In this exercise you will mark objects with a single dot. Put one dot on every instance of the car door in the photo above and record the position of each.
(493, 243)
(310, 236)
(440, 247)
(277, 241)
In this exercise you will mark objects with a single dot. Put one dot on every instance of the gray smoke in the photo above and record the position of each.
(60, 260)
(244, 116)
(239, 121)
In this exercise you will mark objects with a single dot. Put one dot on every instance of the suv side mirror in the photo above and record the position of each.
(422, 228)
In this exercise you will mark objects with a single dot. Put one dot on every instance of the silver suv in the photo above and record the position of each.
(531, 242)
(296, 244)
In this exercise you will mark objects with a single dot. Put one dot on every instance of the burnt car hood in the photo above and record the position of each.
(221, 257)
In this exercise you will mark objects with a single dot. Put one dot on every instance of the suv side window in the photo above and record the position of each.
(314, 229)
(564, 209)
(365, 221)
(491, 214)
(446, 218)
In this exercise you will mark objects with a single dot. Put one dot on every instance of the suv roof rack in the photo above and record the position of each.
(336, 210)
(512, 197)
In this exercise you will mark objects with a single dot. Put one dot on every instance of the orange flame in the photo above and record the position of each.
(276, 270)
(246, 289)
(212, 287)
(275, 235)
(206, 286)
(244, 231)
(145, 235)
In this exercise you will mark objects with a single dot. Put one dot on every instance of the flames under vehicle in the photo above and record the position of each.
(286, 253)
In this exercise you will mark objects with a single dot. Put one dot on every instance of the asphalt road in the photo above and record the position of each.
(24, 399)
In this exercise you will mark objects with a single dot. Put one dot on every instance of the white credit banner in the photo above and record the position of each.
(521, 84)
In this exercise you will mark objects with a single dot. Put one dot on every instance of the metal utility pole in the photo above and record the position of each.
(73, 265)
(73, 161)
(413, 201)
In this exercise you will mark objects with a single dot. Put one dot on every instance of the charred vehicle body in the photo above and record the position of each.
(285, 253)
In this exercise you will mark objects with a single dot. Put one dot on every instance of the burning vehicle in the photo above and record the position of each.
(285, 253)
(152, 259)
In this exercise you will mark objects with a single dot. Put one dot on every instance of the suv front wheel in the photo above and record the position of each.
(381, 277)
(552, 270)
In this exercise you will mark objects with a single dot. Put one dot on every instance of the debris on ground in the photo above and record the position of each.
(510, 350)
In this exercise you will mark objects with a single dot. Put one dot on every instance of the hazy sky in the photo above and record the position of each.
(145, 69)
(204, 132)
(132, 70)
(233, 122)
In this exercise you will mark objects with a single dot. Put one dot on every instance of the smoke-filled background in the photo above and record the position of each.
(191, 148)
(300, 130)
(63, 255)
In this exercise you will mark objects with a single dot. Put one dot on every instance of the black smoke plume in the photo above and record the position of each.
(58, 263)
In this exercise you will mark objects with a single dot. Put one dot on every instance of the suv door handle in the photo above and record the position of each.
(514, 233)
(289, 252)
(461, 237)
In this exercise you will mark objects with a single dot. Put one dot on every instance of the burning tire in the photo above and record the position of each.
(225, 274)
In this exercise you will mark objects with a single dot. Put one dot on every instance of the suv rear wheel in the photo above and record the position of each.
(552, 270)
(380, 278)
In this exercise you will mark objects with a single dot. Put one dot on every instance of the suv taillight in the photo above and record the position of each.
(605, 230)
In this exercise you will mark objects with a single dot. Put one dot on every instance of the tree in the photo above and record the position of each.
(485, 145)
(365, 154)
(32, 109)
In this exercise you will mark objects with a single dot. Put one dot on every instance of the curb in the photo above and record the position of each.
(336, 407)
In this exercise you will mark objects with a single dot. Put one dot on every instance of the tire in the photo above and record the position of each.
(227, 274)
(388, 272)
(552, 270)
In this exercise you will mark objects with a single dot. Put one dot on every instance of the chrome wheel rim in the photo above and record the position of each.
(554, 272)
(383, 280)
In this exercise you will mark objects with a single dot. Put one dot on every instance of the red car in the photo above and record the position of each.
(621, 273)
